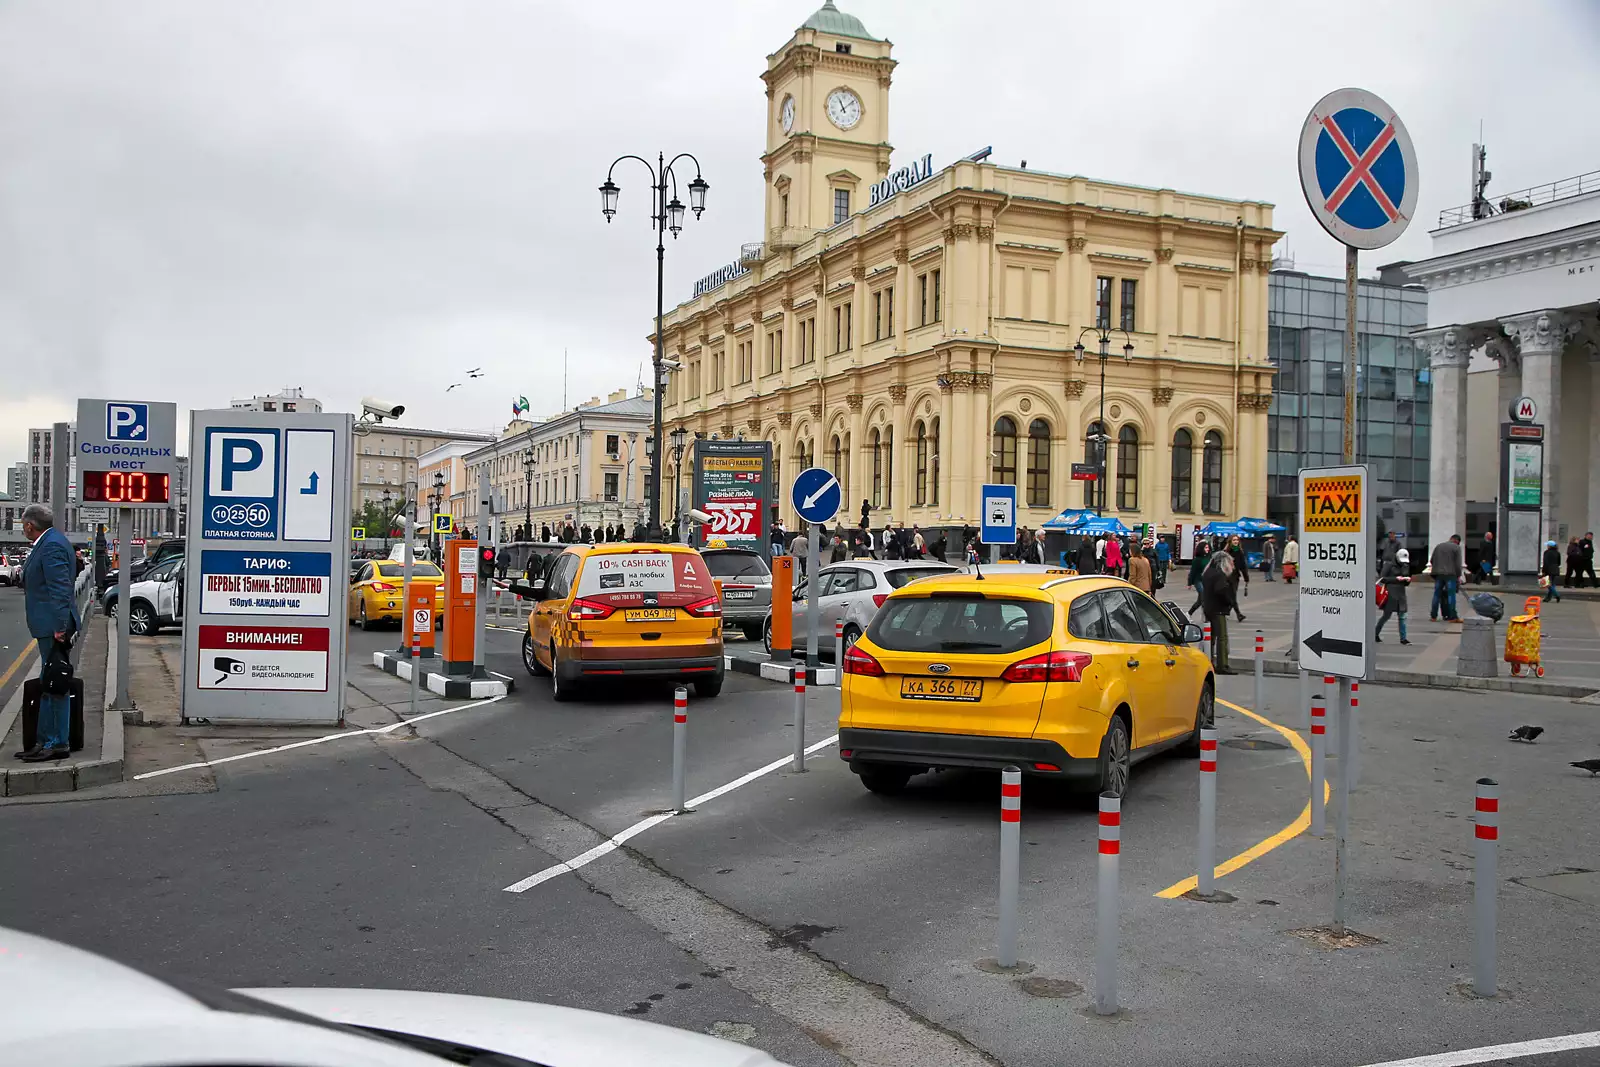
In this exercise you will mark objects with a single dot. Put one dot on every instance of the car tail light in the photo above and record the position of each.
(709, 608)
(846, 753)
(735, 585)
(1049, 667)
(1045, 767)
(385, 587)
(582, 610)
(859, 661)
(878, 599)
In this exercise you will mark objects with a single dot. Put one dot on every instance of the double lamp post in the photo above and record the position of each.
(1102, 439)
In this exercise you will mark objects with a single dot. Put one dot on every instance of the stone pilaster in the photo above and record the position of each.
(1447, 350)
(1540, 337)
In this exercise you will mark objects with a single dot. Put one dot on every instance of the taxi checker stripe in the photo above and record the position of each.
(1360, 167)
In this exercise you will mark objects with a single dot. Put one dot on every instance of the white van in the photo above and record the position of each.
(397, 553)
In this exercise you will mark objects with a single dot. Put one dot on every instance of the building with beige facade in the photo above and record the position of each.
(588, 466)
(386, 461)
(913, 327)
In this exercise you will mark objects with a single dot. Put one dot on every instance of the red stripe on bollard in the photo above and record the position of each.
(1318, 728)
(1111, 818)
(1328, 679)
(1010, 790)
(1488, 833)
(1355, 694)
(1260, 645)
(680, 717)
(1208, 765)
(1010, 815)
(1110, 848)
(1488, 803)
(1208, 744)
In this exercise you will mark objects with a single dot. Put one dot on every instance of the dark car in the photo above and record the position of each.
(172, 548)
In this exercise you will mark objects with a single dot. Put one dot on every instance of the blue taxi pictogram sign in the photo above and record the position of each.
(1358, 169)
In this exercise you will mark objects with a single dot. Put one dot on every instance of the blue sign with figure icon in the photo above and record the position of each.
(1358, 169)
(999, 515)
(816, 494)
(240, 494)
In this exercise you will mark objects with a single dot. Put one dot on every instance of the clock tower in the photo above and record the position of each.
(827, 125)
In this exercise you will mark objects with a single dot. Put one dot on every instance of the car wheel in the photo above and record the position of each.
(366, 623)
(529, 660)
(1116, 759)
(1205, 717)
(142, 619)
(766, 635)
(562, 689)
(852, 634)
(885, 781)
(754, 631)
(708, 687)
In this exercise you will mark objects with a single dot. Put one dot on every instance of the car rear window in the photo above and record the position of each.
(902, 576)
(418, 570)
(736, 565)
(645, 574)
(960, 623)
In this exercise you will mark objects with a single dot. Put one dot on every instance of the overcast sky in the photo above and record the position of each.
(207, 199)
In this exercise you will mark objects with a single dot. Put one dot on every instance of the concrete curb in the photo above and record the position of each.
(777, 672)
(1527, 687)
(449, 686)
(82, 774)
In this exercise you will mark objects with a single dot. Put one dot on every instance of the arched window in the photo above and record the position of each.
(1038, 464)
(922, 463)
(1094, 492)
(888, 466)
(877, 469)
(1128, 469)
(933, 463)
(1183, 472)
(838, 458)
(1211, 474)
(1005, 451)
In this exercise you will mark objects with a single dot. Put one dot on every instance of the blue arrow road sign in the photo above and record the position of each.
(816, 494)
(999, 515)
(1358, 169)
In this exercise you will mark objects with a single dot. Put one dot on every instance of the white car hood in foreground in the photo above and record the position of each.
(544, 1033)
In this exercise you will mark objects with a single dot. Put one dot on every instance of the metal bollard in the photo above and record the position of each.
(680, 743)
(1330, 693)
(1485, 877)
(1205, 645)
(1305, 698)
(838, 651)
(1207, 864)
(1105, 956)
(799, 717)
(1353, 724)
(1341, 824)
(1010, 862)
(1319, 730)
(416, 668)
(1261, 654)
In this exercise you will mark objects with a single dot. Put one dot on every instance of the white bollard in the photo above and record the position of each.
(680, 743)
(1205, 645)
(416, 668)
(1207, 862)
(838, 651)
(1319, 730)
(1261, 660)
(1105, 957)
(800, 717)
(1010, 862)
(1485, 877)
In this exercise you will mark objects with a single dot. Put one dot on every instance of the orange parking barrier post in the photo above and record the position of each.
(461, 591)
(782, 607)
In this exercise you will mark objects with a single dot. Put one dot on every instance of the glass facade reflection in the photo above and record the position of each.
(1305, 425)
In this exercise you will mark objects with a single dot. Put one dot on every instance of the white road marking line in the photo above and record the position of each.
(610, 844)
(312, 741)
(1492, 1053)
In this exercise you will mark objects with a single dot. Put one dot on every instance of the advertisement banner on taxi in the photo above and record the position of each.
(733, 484)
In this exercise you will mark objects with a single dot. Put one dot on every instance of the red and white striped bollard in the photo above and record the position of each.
(1319, 730)
(1105, 957)
(1486, 834)
(1207, 863)
(800, 716)
(1010, 863)
(680, 743)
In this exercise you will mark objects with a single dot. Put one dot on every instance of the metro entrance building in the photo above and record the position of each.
(912, 327)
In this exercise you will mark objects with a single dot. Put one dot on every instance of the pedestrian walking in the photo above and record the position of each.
(51, 610)
(1163, 561)
(1291, 560)
(1396, 579)
(891, 542)
(838, 552)
(1587, 545)
(1550, 570)
(502, 563)
(1197, 569)
(918, 545)
(1241, 572)
(1113, 559)
(1217, 599)
(866, 514)
(1269, 555)
(1139, 572)
(1445, 563)
(775, 539)
(1085, 556)
(799, 548)
(1486, 559)
(1574, 575)
(1100, 554)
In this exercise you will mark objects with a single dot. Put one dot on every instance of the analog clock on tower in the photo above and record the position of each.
(844, 108)
(788, 114)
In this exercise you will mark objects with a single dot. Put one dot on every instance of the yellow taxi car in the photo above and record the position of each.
(376, 586)
(1066, 677)
(625, 610)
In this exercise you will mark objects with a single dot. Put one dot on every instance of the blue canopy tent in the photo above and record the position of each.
(1258, 526)
(1067, 521)
(1223, 529)
(1097, 524)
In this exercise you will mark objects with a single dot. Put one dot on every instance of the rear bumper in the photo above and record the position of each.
(678, 667)
(914, 748)
(745, 610)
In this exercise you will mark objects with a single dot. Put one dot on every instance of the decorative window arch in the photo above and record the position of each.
(1183, 472)
(1128, 468)
(877, 469)
(1211, 474)
(1005, 451)
(1038, 464)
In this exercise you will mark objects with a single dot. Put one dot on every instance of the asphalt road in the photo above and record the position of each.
(832, 925)
(17, 650)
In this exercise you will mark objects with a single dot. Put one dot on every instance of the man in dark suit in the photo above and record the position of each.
(52, 612)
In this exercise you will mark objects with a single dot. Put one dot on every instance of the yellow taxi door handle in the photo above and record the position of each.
(1133, 663)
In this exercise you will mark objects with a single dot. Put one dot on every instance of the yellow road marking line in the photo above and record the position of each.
(1288, 833)
(18, 662)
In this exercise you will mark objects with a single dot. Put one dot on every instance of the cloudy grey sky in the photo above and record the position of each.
(203, 199)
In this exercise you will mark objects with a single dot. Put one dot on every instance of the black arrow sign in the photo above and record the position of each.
(1320, 645)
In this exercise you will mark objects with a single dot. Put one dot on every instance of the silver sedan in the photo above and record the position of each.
(851, 592)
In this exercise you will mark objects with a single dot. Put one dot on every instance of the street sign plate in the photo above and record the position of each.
(1086, 472)
(358, 533)
(421, 619)
(443, 524)
(999, 526)
(1337, 571)
(1358, 169)
(816, 494)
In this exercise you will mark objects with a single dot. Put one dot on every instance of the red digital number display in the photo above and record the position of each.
(125, 487)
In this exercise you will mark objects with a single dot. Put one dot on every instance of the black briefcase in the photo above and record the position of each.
(30, 713)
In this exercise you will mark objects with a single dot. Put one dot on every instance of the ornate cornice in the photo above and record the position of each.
(1540, 331)
(853, 400)
(901, 253)
(787, 303)
(1161, 395)
(961, 230)
(785, 418)
(753, 424)
(1247, 266)
(858, 272)
(1073, 387)
(727, 430)
(1254, 401)
(985, 231)
(964, 381)
(1077, 244)
(897, 393)
(815, 407)
(1164, 255)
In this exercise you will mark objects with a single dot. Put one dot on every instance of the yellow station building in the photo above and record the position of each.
(912, 327)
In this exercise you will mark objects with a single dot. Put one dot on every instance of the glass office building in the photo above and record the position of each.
(1305, 318)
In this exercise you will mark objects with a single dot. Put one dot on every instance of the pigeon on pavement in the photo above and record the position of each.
(1590, 765)
(1525, 733)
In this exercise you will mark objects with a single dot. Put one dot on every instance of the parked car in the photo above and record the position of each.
(377, 586)
(852, 593)
(172, 548)
(157, 599)
(746, 587)
(11, 568)
(1065, 676)
(144, 1020)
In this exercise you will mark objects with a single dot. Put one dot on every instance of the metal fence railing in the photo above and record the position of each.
(1522, 199)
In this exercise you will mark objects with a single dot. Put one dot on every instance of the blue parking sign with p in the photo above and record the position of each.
(240, 498)
(127, 422)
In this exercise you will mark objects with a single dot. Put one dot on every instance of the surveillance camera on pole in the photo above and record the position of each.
(381, 409)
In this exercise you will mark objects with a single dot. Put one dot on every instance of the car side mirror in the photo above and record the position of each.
(1192, 634)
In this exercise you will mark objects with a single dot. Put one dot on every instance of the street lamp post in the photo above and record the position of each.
(1103, 336)
(665, 215)
(438, 499)
(653, 531)
(679, 437)
(529, 462)
(388, 519)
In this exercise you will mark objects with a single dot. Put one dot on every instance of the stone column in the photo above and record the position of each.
(1540, 337)
(1159, 505)
(855, 461)
(1592, 516)
(960, 447)
(903, 452)
(1447, 441)
(1071, 495)
(902, 296)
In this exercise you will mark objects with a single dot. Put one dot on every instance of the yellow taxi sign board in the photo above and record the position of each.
(1333, 505)
(358, 533)
(443, 524)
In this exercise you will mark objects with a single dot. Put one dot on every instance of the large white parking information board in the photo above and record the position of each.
(1337, 571)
